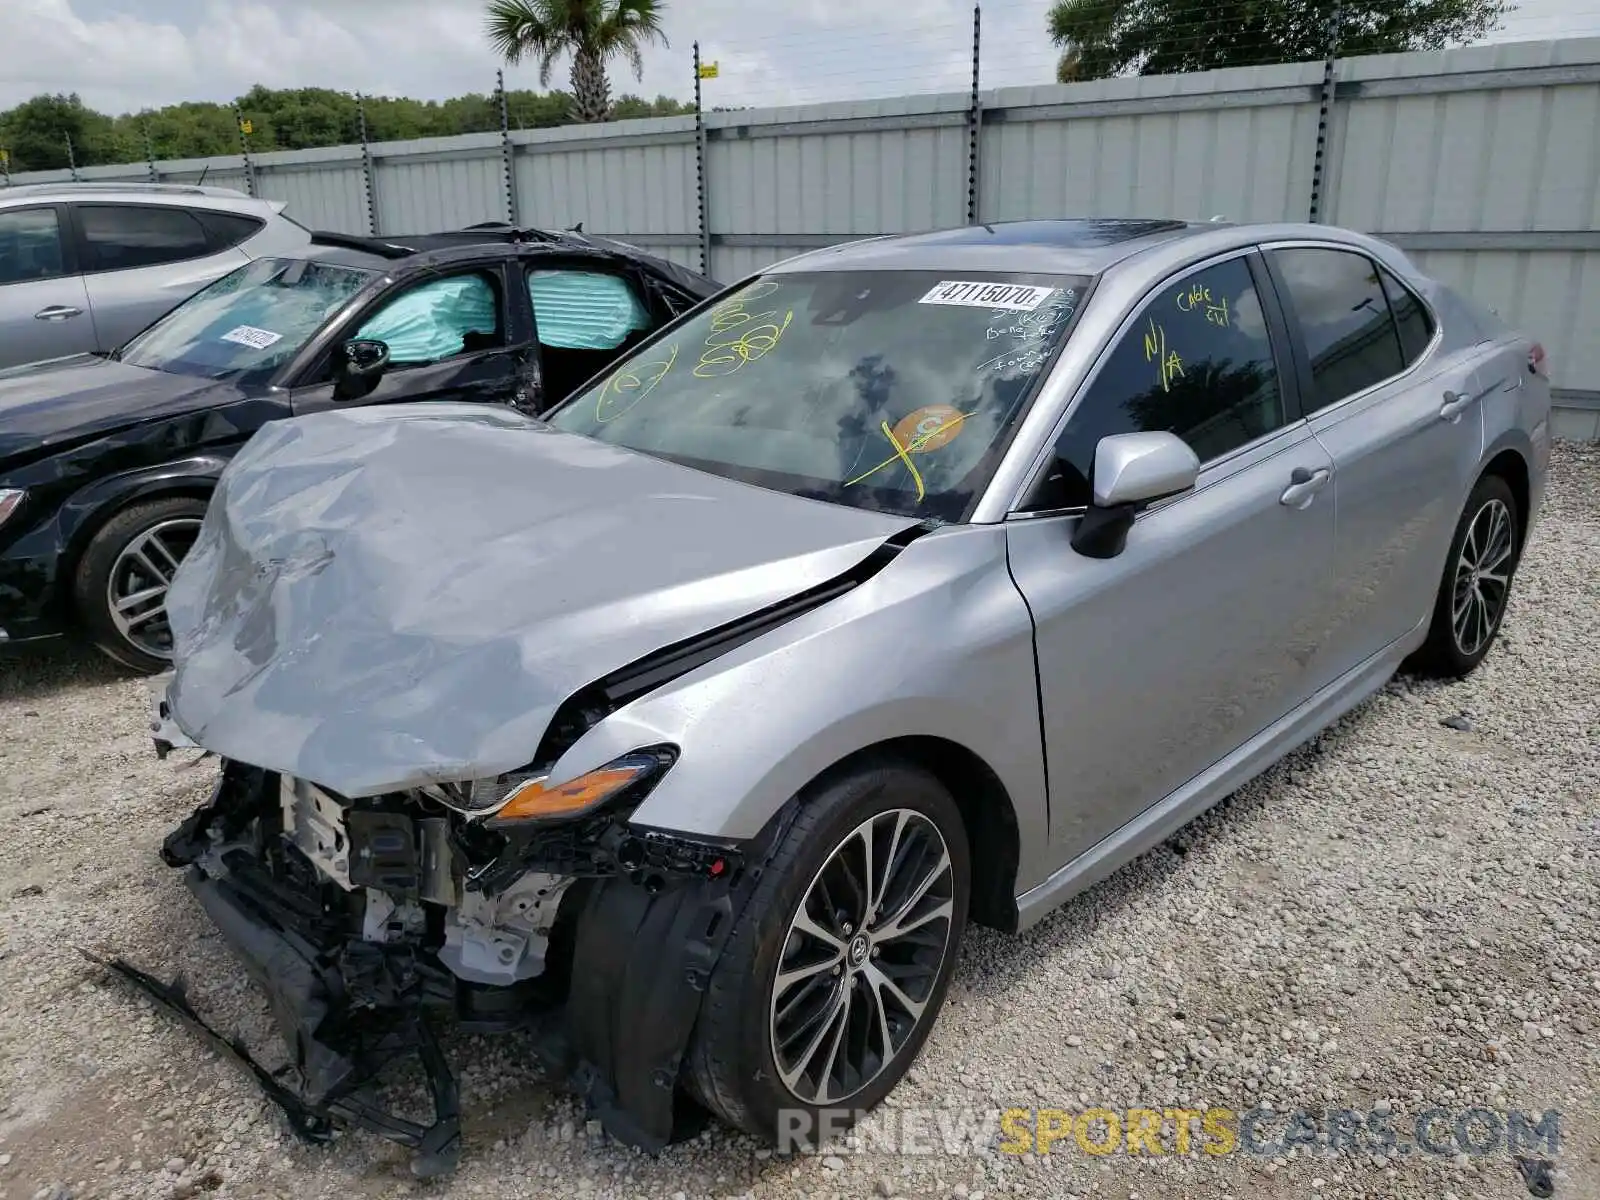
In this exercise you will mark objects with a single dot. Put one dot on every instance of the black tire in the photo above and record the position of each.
(92, 580)
(1447, 654)
(732, 1068)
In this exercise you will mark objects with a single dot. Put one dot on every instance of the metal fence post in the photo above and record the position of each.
(700, 168)
(369, 183)
(974, 120)
(506, 164)
(150, 153)
(1319, 169)
(72, 159)
(244, 153)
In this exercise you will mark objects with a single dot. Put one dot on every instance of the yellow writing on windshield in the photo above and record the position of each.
(1168, 365)
(924, 430)
(739, 336)
(629, 385)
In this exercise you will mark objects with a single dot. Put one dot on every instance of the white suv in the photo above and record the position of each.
(85, 266)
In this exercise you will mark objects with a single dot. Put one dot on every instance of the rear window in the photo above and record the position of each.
(120, 237)
(890, 390)
(227, 230)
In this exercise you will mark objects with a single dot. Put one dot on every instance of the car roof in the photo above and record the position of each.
(491, 240)
(1077, 246)
(67, 190)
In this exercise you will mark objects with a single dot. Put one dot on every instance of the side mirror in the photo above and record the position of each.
(1131, 472)
(357, 367)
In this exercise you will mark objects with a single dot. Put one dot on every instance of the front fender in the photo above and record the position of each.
(939, 644)
(87, 510)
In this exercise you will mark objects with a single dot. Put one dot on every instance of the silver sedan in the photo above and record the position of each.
(914, 581)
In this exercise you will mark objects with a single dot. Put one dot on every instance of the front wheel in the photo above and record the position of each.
(1472, 596)
(832, 980)
(120, 586)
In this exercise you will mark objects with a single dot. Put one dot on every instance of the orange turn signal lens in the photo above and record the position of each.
(535, 799)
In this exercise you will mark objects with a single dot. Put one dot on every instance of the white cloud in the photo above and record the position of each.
(122, 55)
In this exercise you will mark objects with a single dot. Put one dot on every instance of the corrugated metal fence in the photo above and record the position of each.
(1483, 162)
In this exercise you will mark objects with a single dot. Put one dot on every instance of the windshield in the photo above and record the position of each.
(889, 390)
(249, 322)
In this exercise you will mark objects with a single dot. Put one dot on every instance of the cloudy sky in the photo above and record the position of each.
(122, 55)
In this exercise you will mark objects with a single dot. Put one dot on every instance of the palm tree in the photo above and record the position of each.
(590, 30)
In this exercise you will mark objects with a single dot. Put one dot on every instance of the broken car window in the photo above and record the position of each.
(890, 390)
(248, 323)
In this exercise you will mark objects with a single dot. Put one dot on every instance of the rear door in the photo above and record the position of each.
(463, 335)
(1403, 421)
(141, 260)
(44, 306)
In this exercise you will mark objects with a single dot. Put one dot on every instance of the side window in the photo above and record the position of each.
(227, 230)
(437, 320)
(1344, 317)
(120, 237)
(584, 310)
(30, 245)
(1197, 362)
(1410, 314)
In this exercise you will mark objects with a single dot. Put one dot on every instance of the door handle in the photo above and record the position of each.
(1456, 403)
(57, 312)
(1303, 486)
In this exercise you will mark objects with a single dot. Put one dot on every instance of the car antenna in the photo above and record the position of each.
(202, 178)
(578, 228)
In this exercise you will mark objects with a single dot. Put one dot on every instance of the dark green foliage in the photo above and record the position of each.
(1100, 38)
(35, 131)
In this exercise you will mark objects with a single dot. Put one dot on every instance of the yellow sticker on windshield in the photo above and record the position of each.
(929, 427)
(921, 431)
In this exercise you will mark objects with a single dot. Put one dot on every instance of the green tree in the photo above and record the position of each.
(36, 133)
(592, 31)
(1100, 38)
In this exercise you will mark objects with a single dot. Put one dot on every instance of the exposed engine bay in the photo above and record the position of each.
(367, 922)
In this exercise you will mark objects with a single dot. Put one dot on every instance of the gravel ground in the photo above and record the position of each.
(1404, 914)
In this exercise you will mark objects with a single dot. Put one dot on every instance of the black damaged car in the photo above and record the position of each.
(107, 462)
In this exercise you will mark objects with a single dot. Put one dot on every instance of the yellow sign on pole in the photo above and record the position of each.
(708, 70)
(246, 126)
(5, 158)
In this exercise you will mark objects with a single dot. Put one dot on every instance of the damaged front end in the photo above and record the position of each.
(500, 908)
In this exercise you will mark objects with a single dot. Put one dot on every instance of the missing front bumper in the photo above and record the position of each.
(648, 926)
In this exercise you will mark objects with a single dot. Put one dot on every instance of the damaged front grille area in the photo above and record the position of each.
(367, 921)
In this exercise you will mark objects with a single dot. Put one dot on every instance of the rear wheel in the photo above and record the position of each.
(120, 587)
(1472, 596)
(830, 984)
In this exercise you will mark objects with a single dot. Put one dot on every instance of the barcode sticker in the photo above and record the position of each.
(249, 335)
(1011, 297)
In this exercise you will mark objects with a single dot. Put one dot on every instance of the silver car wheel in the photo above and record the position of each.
(136, 592)
(1483, 577)
(862, 957)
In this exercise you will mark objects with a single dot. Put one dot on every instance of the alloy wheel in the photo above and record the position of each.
(1482, 578)
(862, 957)
(136, 593)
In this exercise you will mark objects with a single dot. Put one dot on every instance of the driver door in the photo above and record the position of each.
(450, 337)
(1157, 663)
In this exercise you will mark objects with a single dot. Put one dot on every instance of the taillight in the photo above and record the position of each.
(1536, 361)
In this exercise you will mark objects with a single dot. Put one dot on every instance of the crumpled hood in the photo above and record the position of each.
(385, 597)
(71, 399)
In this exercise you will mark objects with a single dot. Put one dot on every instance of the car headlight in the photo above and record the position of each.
(10, 500)
(527, 796)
